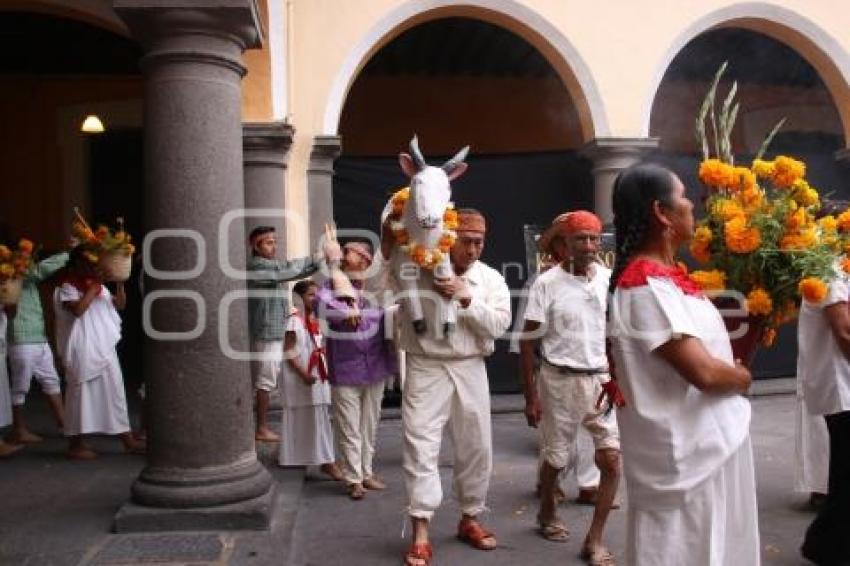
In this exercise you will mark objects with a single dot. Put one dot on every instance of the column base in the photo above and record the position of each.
(253, 514)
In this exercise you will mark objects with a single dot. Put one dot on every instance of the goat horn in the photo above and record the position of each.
(416, 153)
(456, 160)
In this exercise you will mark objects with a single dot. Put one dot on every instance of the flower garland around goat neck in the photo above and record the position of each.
(422, 256)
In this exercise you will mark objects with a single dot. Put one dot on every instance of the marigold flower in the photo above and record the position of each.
(812, 289)
(446, 242)
(713, 280)
(418, 254)
(726, 209)
(799, 240)
(5, 252)
(797, 219)
(769, 337)
(844, 221)
(700, 252)
(703, 235)
(7, 271)
(763, 169)
(828, 224)
(845, 265)
(743, 179)
(714, 173)
(739, 237)
(759, 302)
(25, 246)
(751, 198)
(787, 170)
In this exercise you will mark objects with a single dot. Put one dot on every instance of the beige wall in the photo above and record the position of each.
(607, 54)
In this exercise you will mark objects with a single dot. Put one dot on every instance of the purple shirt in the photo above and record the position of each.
(356, 356)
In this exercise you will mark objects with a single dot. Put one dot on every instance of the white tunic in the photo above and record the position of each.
(571, 310)
(305, 419)
(5, 395)
(94, 400)
(687, 458)
(821, 366)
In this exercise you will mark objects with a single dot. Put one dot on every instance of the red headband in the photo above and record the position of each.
(578, 221)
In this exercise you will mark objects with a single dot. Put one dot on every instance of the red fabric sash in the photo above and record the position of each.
(317, 356)
(639, 270)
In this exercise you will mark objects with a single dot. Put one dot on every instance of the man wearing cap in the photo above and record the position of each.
(446, 383)
(566, 316)
(360, 360)
(268, 311)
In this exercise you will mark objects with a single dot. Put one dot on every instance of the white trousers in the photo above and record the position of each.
(28, 360)
(437, 392)
(357, 411)
(716, 524)
(812, 451)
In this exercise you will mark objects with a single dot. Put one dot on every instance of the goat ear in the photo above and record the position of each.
(407, 164)
(457, 171)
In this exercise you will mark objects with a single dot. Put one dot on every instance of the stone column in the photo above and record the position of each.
(609, 157)
(266, 151)
(202, 470)
(320, 185)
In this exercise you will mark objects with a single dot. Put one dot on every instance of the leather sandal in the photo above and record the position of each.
(419, 551)
(470, 531)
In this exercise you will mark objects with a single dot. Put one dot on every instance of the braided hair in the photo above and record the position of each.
(635, 191)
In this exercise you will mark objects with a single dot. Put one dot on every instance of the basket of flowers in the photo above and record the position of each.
(761, 245)
(111, 250)
(14, 264)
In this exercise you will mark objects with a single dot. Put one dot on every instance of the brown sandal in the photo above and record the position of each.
(470, 531)
(419, 551)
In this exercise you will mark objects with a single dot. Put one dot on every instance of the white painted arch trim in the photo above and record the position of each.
(754, 10)
(511, 8)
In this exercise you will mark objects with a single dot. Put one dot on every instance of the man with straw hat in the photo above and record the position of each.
(566, 317)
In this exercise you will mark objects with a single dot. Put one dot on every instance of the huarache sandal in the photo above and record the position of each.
(553, 530)
(471, 532)
(419, 554)
(599, 556)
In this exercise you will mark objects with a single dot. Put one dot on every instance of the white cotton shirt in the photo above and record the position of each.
(294, 392)
(571, 310)
(673, 435)
(822, 367)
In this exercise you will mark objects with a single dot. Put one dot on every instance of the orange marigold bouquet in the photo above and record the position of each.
(14, 263)
(110, 249)
(760, 236)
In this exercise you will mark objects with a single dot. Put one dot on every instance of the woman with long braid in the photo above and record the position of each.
(687, 456)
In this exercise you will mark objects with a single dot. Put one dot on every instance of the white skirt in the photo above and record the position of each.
(306, 436)
(97, 405)
(717, 526)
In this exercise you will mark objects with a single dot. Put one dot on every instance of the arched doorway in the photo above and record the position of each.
(58, 67)
(457, 81)
(774, 81)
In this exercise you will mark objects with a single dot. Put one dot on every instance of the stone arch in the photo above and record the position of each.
(508, 14)
(821, 50)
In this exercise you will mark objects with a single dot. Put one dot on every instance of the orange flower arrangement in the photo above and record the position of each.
(759, 228)
(97, 242)
(15, 263)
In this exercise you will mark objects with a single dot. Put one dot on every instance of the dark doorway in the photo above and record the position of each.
(117, 184)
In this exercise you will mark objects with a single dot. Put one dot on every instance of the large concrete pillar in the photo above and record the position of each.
(266, 148)
(202, 470)
(320, 184)
(609, 157)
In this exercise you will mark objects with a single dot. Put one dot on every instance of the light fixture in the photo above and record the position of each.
(92, 125)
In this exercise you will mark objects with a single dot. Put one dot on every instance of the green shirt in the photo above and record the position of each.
(267, 315)
(27, 327)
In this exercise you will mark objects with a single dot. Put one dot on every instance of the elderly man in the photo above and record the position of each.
(360, 360)
(446, 384)
(566, 316)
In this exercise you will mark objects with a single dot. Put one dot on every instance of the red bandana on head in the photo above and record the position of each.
(639, 270)
(579, 221)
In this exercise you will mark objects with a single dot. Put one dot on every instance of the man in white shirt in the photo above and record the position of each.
(823, 365)
(566, 316)
(446, 384)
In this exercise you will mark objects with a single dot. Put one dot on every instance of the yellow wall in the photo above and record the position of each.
(622, 47)
(257, 84)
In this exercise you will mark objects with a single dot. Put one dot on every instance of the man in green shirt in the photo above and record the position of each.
(267, 314)
(29, 352)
